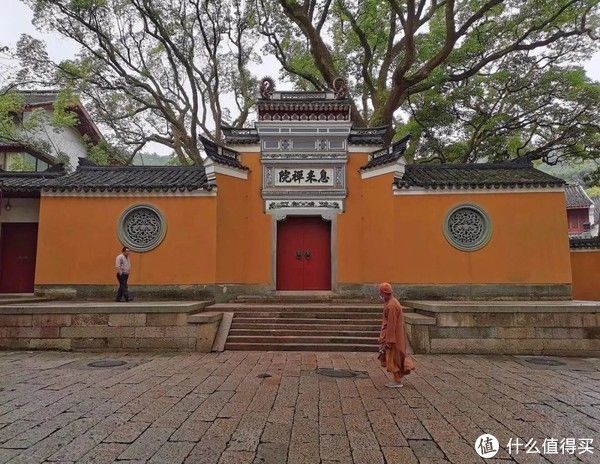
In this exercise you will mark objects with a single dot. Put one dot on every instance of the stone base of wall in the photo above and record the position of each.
(224, 292)
(103, 326)
(138, 292)
(464, 292)
(533, 328)
(216, 292)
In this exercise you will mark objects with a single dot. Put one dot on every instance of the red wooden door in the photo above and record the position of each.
(17, 257)
(304, 254)
(317, 256)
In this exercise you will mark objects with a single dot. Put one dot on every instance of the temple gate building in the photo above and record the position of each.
(302, 202)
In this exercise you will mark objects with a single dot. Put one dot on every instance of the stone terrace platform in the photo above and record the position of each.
(275, 408)
(567, 328)
(145, 325)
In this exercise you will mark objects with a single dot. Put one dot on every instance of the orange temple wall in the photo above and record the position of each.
(586, 274)
(78, 242)
(228, 238)
(400, 238)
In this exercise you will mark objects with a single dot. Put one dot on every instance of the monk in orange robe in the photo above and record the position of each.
(392, 339)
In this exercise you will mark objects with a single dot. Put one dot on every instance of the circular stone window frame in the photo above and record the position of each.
(125, 239)
(483, 241)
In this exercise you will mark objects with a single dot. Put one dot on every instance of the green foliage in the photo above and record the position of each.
(63, 114)
(87, 4)
(19, 127)
(20, 163)
(63, 158)
(174, 160)
(150, 71)
(105, 154)
(523, 110)
(573, 172)
(501, 86)
(11, 111)
(593, 192)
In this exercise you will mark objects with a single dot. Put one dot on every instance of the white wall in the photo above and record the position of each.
(62, 140)
(22, 210)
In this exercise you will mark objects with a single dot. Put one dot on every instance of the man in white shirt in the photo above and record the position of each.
(123, 266)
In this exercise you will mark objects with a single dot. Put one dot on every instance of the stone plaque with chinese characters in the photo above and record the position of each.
(304, 177)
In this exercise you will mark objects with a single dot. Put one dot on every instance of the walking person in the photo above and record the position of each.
(392, 338)
(123, 265)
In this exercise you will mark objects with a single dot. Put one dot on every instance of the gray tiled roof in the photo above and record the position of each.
(576, 197)
(596, 201)
(28, 182)
(358, 135)
(387, 155)
(38, 97)
(222, 155)
(478, 175)
(237, 136)
(593, 243)
(123, 178)
(367, 135)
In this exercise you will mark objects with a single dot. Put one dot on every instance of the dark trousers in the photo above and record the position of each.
(123, 291)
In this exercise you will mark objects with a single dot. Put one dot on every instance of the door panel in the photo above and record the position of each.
(304, 254)
(18, 245)
(317, 258)
(289, 264)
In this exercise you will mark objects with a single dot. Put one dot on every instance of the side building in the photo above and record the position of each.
(48, 144)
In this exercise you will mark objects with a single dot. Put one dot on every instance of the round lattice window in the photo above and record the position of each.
(467, 227)
(142, 228)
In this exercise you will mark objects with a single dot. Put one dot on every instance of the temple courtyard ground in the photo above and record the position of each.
(248, 407)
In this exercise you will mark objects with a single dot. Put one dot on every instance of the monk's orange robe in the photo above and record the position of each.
(395, 359)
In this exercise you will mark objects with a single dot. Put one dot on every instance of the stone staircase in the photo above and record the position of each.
(302, 323)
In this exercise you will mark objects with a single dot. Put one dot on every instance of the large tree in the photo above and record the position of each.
(469, 79)
(398, 54)
(153, 70)
(526, 109)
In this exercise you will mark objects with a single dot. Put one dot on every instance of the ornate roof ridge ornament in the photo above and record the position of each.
(340, 88)
(267, 87)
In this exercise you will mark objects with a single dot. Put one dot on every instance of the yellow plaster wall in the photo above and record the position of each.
(586, 274)
(400, 238)
(244, 235)
(228, 238)
(78, 241)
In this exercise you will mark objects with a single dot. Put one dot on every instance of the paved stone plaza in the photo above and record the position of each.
(245, 407)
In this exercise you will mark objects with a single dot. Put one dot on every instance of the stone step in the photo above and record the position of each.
(326, 307)
(303, 320)
(244, 346)
(286, 325)
(330, 301)
(12, 299)
(306, 315)
(497, 306)
(325, 296)
(300, 339)
(330, 332)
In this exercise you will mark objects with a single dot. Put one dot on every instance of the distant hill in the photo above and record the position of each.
(150, 159)
(571, 173)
